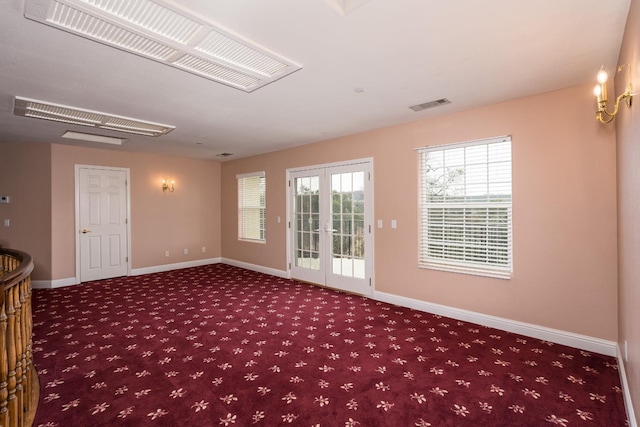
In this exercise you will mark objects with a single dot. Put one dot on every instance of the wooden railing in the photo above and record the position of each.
(19, 386)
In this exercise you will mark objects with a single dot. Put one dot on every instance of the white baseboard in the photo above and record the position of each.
(176, 266)
(628, 404)
(52, 284)
(582, 342)
(58, 283)
(254, 267)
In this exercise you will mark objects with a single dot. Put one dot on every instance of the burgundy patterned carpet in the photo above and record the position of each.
(222, 346)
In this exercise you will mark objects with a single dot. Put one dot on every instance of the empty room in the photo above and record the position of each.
(319, 213)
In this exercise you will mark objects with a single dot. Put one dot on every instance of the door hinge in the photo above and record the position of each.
(369, 175)
(369, 228)
(126, 259)
(289, 183)
(289, 266)
(369, 281)
(289, 224)
(126, 220)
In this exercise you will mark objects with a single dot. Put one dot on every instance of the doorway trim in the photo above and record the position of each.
(76, 177)
(289, 219)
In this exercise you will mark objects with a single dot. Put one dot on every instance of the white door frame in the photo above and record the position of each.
(370, 269)
(77, 212)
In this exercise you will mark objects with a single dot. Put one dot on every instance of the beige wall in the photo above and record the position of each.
(25, 176)
(564, 211)
(188, 218)
(628, 138)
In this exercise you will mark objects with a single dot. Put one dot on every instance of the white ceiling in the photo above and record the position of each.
(400, 52)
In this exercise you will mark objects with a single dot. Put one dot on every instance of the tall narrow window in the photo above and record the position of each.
(251, 206)
(465, 207)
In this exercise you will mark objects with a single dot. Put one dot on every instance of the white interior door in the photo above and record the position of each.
(331, 240)
(102, 208)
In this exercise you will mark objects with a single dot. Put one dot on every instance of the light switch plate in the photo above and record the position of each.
(4, 199)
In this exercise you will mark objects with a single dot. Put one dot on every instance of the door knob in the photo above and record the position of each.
(85, 231)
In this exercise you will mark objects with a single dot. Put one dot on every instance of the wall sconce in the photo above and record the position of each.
(600, 91)
(166, 187)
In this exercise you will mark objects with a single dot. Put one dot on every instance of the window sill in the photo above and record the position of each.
(253, 241)
(495, 274)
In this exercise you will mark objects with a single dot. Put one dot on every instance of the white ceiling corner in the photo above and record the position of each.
(346, 6)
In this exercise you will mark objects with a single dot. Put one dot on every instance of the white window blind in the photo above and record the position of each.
(465, 207)
(251, 206)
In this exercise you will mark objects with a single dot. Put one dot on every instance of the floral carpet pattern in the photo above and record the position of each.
(222, 346)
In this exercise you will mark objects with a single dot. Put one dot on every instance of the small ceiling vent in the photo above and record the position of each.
(77, 116)
(224, 154)
(164, 32)
(430, 104)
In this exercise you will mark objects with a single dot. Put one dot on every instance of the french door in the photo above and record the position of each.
(102, 243)
(330, 211)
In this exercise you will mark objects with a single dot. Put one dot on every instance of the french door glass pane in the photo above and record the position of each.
(347, 218)
(307, 222)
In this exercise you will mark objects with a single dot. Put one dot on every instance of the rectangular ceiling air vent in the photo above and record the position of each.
(169, 34)
(430, 104)
(224, 154)
(90, 137)
(77, 116)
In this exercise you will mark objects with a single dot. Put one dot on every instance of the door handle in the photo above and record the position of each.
(85, 231)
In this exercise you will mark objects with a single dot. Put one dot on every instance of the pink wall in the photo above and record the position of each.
(188, 218)
(564, 211)
(628, 139)
(25, 176)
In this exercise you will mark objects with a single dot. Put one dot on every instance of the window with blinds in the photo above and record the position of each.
(465, 207)
(251, 206)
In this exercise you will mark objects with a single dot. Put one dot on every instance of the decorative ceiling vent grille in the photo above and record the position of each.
(220, 46)
(77, 22)
(162, 32)
(78, 116)
(214, 71)
(430, 104)
(150, 16)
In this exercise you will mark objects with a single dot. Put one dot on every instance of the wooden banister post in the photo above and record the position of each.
(19, 385)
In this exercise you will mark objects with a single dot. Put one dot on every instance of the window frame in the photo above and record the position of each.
(449, 242)
(245, 206)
